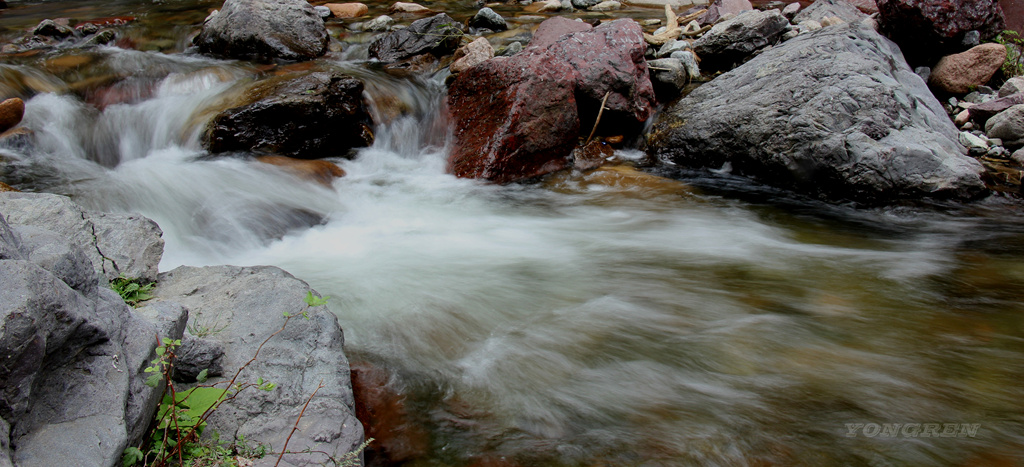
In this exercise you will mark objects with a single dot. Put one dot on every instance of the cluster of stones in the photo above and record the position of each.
(59, 33)
(992, 122)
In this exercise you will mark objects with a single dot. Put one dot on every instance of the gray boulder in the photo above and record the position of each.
(115, 244)
(731, 41)
(1012, 86)
(439, 35)
(1008, 126)
(250, 302)
(72, 389)
(264, 30)
(837, 113)
(822, 9)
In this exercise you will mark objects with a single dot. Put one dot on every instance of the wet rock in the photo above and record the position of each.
(11, 112)
(1008, 126)
(486, 18)
(264, 30)
(51, 28)
(438, 35)
(381, 23)
(320, 171)
(669, 77)
(584, 4)
(982, 112)
(405, 7)
(926, 30)
(308, 116)
(382, 410)
(553, 29)
(591, 156)
(19, 138)
(1013, 85)
(250, 303)
(719, 9)
(115, 244)
(519, 117)
(472, 54)
(101, 37)
(347, 10)
(732, 40)
(963, 72)
(836, 114)
(822, 9)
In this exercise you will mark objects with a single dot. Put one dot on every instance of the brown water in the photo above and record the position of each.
(611, 318)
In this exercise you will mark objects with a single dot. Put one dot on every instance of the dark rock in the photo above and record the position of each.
(971, 39)
(669, 77)
(591, 156)
(101, 37)
(924, 72)
(10, 243)
(982, 112)
(553, 29)
(966, 71)
(195, 355)
(836, 114)
(519, 117)
(51, 28)
(486, 18)
(264, 30)
(438, 35)
(927, 29)
(584, 4)
(1013, 12)
(11, 112)
(249, 303)
(381, 408)
(311, 116)
(822, 9)
(732, 40)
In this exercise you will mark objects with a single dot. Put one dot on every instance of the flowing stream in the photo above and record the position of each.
(607, 318)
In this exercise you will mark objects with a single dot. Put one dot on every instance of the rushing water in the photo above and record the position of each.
(607, 318)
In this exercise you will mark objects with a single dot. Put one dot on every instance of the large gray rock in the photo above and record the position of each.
(264, 30)
(732, 40)
(1008, 126)
(822, 9)
(250, 302)
(837, 113)
(115, 244)
(5, 444)
(439, 35)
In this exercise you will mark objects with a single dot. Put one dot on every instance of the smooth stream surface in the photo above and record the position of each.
(607, 318)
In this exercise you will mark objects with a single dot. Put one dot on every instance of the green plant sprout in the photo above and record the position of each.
(132, 291)
(1014, 43)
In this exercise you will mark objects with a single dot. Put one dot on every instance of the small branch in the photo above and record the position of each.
(599, 112)
(297, 420)
(698, 32)
(692, 16)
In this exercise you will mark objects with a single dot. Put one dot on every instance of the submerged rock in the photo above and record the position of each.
(311, 116)
(11, 112)
(439, 35)
(264, 30)
(519, 117)
(837, 114)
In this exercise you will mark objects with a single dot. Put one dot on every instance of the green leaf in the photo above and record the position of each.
(131, 456)
(312, 300)
(161, 350)
(202, 376)
(153, 380)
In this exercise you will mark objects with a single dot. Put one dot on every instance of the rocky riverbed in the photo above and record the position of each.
(836, 102)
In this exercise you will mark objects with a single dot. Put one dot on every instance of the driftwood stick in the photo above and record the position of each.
(599, 112)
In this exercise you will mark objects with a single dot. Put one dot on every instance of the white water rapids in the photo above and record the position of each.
(610, 318)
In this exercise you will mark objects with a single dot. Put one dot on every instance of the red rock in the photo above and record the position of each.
(11, 112)
(519, 117)
(962, 72)
(982, 112)
(865, 6)
(318, 170)
(1013, 12)
(551, 30)
(720, 8)
(381, 410)
(928, 29)
(347, 10)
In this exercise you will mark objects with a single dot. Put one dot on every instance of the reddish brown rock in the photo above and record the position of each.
(520, 117)
(347, 10)
(1013, 12)
(11, 112)
(7, 188)
(982, 112)
(960, 73)
(551, 30)
(720, 8)
(928, 29)
(319, 170)
(381, 410)
(865, 6)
